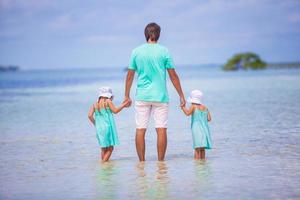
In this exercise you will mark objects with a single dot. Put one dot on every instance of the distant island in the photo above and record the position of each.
(245, 61)
(251, 60)
(8, 68)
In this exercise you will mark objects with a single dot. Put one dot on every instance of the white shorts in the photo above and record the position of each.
(143, 111)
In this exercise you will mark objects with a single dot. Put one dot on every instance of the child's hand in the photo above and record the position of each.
(182, 101)
(125, 103)
(129, 101)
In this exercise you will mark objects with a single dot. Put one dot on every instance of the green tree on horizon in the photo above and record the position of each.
(244, 61)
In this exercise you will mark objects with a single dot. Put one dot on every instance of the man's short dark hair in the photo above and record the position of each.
(152, 31)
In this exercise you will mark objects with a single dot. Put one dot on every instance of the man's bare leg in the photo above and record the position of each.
(140, 143)
(161, 143)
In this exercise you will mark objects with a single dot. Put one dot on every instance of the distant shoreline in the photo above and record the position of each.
(278, 65)
(9, 68)
(284, 65)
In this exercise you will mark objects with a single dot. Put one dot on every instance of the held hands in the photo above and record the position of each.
(182, 102)
(127, 102)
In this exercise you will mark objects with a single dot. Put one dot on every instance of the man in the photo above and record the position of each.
(151, 61)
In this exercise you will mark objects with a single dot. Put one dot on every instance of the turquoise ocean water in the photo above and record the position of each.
(49, 149)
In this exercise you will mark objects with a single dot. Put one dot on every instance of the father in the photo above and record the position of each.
(151, 61)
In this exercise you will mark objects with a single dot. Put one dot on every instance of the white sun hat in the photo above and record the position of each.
(196, 96)
(106, 92)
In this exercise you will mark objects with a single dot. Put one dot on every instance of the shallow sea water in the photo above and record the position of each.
(49, 149)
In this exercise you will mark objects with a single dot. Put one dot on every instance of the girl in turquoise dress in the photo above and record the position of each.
(199, 124)
(100, 115)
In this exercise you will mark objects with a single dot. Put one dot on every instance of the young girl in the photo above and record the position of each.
(100, 115)
(199, 124)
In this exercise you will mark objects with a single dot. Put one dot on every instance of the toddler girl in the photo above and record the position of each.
(199, 124)
(100, 115)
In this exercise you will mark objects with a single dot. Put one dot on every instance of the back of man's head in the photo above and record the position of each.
(152, 32)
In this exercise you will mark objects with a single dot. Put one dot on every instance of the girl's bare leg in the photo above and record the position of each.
(103, 150)
(202, 153)
(108, 153)
(197, 153)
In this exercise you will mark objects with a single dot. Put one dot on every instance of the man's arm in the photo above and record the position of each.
(129, 79)
(176, 82)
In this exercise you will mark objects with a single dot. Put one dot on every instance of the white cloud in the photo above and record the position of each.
(294, 18)
(62, 22)
(8, 34)
(220, 27)
(25, 4)
(100, 39)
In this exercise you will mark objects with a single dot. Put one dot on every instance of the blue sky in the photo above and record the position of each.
(72, 33)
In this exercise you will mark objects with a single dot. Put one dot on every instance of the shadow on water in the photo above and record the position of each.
(152, 186)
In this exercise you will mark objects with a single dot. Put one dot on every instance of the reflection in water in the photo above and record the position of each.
(202, 173)
(142, 181)
(152, 186)
(107, 181)
(161, 181)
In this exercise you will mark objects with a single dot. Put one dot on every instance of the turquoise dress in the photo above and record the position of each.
(105, 128)
(200, 129)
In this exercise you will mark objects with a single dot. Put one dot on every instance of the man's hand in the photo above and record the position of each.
(128, 101)
(182, 101)
(124, 103)
(129, 79)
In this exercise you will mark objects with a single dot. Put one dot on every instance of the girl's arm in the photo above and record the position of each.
(189, 111)
(115, 109)
(91, 114)
(208, 116)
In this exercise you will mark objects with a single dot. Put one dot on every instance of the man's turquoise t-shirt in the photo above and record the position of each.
(151, 61)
